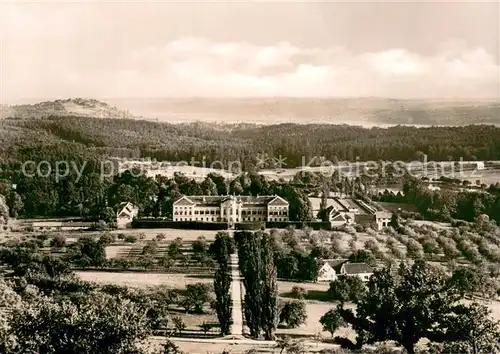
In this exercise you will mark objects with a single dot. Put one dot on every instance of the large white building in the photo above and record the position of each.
(231, 209)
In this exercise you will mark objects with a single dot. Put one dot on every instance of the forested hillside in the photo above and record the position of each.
(243, 142)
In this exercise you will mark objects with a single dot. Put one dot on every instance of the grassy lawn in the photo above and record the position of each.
(140, 280)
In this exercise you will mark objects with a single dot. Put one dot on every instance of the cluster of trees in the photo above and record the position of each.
(447, 204)
(415, 302)
(260, 280)
(49, 310)
(96, 196)
(478, 243)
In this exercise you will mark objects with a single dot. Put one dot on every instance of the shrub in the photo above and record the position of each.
(43, 237)
(151, 248)
(58, 241)
(130, 239)
(107, 239)
(299, 292)
(179, 324)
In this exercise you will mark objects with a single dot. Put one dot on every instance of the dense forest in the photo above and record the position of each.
(244, 142)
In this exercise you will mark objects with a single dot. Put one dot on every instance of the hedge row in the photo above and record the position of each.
(197, 225)
(168, 224)
(250, 226)
(315, 225)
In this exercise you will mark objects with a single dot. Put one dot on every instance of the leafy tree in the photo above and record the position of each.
(175, 248)
(250, 266)
(292, 314)
(195, 297)
(150, 248)
(472, 330)
(15, 204)
(222, 285)
(200, 246)
(270, 288)
(347, 288)
(209, 187)
(414, 249)
(362, 256)
(171, 348)
(285, 344)
(205, 327)
(97, 324)
(107, 239)
(331, 321)
(166, 261)
(87, 252)
(179, 324)
(160, 237)
(466, 280)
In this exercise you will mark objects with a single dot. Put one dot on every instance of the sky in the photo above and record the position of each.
(112, 49)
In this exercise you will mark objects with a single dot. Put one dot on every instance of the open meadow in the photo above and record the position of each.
(143, 279)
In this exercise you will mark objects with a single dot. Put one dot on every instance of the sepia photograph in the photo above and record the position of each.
(249, 177)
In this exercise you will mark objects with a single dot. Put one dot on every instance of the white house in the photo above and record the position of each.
(126, 213)
(328, 270)
(331, 269)
(361, 270)
(382, 219)
(340, 218)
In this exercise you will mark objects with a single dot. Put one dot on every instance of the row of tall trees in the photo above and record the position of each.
(260, 281)
(222, 249)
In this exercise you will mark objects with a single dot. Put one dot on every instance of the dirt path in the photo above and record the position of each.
(237, 327)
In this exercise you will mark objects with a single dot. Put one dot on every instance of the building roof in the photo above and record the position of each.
(126, 209)
(356, 268)
(330, 202)
(248, 201)
(334, 263)
(339, 217)
(348, 203)
(383, 215)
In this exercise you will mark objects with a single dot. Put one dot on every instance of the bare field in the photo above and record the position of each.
(286, 286)
(140, 280)
(116, 251)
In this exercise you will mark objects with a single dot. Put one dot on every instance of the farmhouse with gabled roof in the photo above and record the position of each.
(125, 214)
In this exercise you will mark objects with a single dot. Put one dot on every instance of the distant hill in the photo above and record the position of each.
(75, 107)
(370, 111)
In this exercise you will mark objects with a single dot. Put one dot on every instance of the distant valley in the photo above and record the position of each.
(366, 112)
(353, 111)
